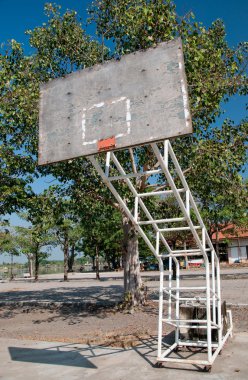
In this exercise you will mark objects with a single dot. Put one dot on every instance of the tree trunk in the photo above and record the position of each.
(97, 263)
(174, 268)
(30, 265)
(133, 288)
(71, 259)
(66, 253)
(36, 263)
(11, 268)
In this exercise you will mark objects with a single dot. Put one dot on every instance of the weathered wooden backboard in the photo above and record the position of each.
(140, 99)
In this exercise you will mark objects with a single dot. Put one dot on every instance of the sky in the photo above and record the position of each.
(17, 16)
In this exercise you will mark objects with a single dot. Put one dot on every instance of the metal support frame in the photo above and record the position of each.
(173, 296)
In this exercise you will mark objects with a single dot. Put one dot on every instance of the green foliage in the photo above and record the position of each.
(61, 45)
(133, 24)
(63, 219)
(215, 175)
(18, 100)
(214, 71)
(32, 240)
(102, 230)
(8, 244)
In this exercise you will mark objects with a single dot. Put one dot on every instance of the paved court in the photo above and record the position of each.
(83, 288)
(28, 360)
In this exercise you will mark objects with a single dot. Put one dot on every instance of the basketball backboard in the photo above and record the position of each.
(139, 99)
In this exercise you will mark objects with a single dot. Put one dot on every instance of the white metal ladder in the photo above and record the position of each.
(173, 296)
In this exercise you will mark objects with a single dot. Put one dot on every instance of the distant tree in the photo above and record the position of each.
(65, 225)
(8, 243)
(32, 240)
(102, 226)
(69, 234)
(216, 179)
(76, 236)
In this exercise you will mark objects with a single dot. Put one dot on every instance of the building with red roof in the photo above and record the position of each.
(234, 240)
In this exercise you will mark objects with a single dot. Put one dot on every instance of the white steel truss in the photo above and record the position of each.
(175, 295)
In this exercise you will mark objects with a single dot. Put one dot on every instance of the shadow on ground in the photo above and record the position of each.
(76, 355)
(90, 294)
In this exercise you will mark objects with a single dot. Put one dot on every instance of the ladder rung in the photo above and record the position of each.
(178, 229)
(134, 175)
(143, 222)
(191, 326)
(200, 299)
(199, 253)
(184, 320)
(190, 250)
(151, 193)
(178, 299)
(185, 288)
(196, 343)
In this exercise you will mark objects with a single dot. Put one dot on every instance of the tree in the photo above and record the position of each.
(68, 234)
(31, 240)
(102, 225)
(18, 99)
(76, 236)
(8, 243)
(221, 190)
(214, 73)
(65, 225)
(62, 47)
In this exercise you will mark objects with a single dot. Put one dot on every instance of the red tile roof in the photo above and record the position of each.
(231, 232)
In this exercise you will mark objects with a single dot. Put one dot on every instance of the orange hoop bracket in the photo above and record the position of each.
(106, 144)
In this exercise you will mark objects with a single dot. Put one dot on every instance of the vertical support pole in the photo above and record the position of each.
(160, 314)
(161, 301)
(177, 300)
(208, 297)
(157, 241)
(166, 153)
(208, 311)
(107, 164)
(220, 330)
(136, 208)
(203, 238)
(213, 285)
(187, 204)
(170, 286)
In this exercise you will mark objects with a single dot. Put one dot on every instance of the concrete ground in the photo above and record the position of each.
(42, 360)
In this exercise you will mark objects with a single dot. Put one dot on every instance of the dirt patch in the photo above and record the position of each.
(96, 325)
